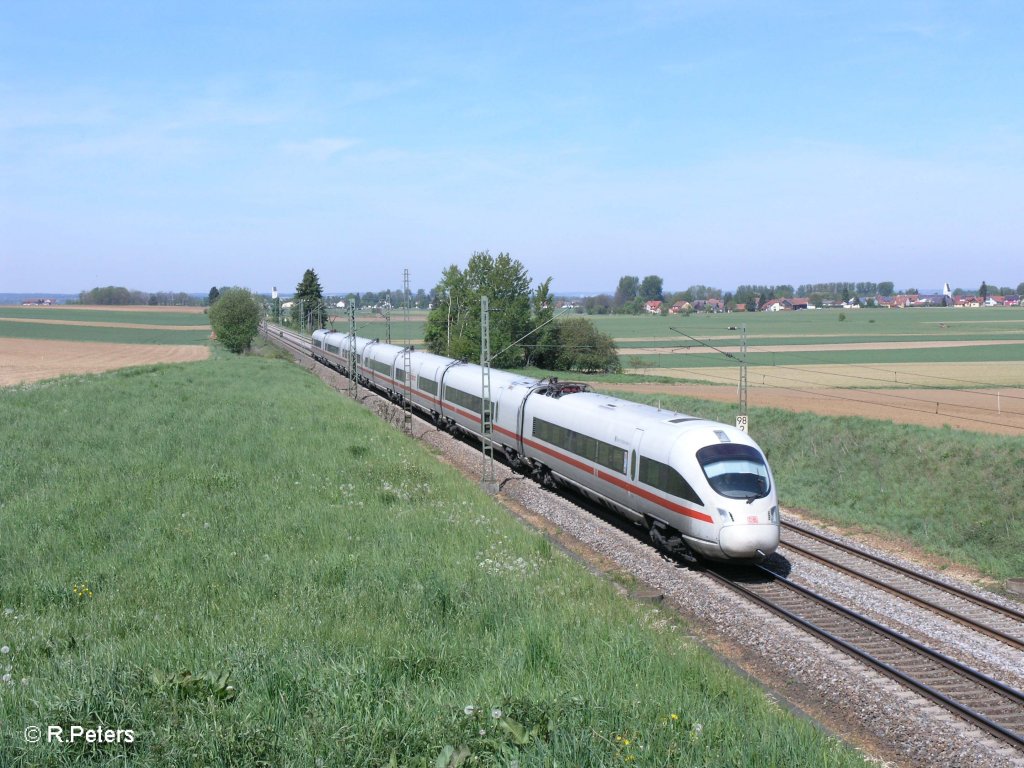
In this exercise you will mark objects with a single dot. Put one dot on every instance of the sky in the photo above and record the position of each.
(175, 146)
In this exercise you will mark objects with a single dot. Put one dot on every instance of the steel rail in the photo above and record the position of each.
(946, 590)
(1007, 695)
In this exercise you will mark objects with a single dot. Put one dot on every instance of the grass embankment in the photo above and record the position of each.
(244, 569)
(954, 493)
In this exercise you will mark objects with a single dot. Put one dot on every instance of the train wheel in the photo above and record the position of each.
(669, 540)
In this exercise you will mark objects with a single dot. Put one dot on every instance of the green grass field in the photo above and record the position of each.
(873, 323)
(149, 317)
(246, 569)
(962, 354)
(63, 325)
(17, 330)
(788, 329)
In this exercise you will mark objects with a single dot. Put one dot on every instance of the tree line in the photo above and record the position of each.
(113, 295)
(632, 294)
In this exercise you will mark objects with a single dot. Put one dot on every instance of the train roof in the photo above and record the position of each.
(638, 414)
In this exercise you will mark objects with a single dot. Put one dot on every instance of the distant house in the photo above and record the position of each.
(1011, 301)
(39, 303)
(708, 305)
(653, 307)
(796, 304)
(772, 305)
(680, 307)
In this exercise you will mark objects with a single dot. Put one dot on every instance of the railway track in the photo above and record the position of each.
(281, 335)
(976, 698)
(965, 608)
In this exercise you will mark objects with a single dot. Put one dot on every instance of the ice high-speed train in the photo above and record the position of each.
(699, 486)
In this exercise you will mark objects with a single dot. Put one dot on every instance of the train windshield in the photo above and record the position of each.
(735, 471)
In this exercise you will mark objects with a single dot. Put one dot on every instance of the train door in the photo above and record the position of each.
(634, 459)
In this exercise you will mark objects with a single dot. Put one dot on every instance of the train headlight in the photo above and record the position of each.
(773, 514)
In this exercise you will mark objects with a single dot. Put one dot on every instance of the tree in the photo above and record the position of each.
(542, 346)
(1020, 289)
(308, 302)
(629, 289)
(453, 325)
(214, 295)
(235, 318)
(583, 348)
(983, 291)
(650, 288)
(886, 288)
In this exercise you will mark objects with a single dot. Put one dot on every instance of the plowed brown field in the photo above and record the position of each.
(27, 360)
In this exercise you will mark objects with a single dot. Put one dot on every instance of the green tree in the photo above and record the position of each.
(542, 346)
(651, 288)
(629, 289)
(308, 302)
(235, 318)
(453, 325)
(886, 288)
(214, 295)
(583, 348)
(983, 291)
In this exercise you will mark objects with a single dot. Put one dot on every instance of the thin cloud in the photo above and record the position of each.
(319, 149)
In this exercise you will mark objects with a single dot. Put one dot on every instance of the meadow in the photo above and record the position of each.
(98, 333)
(109, 326)
(243, 568)
(156, 315)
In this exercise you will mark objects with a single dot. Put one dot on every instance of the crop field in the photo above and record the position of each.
(242, 568)
(935, 367)
(40, 343)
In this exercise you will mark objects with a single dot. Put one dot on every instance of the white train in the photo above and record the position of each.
(700, 487)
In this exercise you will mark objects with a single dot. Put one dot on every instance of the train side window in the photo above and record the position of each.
(427, 385)
(587, 447)
(665, 478)
(465, 399)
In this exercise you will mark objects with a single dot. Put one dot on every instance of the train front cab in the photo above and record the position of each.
(744, 499)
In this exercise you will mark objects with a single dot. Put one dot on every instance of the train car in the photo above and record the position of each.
(700, 487)
(697, 485)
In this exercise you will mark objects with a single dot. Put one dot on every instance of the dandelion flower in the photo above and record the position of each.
(496, 713)
(470, 710)
(674, 716)
(5, 649)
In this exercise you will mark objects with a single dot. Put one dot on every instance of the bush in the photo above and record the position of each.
(583, 348)
(235, 318)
